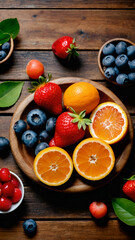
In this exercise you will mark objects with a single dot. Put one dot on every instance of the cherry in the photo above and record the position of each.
(8, 189)
(34, 69)
(98, 209)
(14, 181)
(5, 204)
(17, 195)
(5, 175)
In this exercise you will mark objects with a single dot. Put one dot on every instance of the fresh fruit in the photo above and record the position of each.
(19, 127)
(29, 138)
(129, 188)
(121, 48)
(109, 122)
(34, 69)
(131, 51)
(110, 73)
(5, 175)
(108, 61)
(116, 71)
(40, 147)
(50, 124)
(43, 136)
(122, 78)
(17, 195)
(5, 47)
(30, 227)
(109, 49)
(70, 128)
(0, 188)
(53, 166)
(8, 189)
(65, 47)
(131, 77)
(14, 181)
(81, 96)
(98, 209)
(2, 55)
(121, 61)
(93, 159)
(4, 147)
(5, 203)
(48, 95)
(132, 65)
(36, 119)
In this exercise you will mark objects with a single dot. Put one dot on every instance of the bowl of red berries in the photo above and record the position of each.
(11, 191)
(116, 61)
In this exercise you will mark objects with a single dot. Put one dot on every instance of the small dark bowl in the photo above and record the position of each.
(101, 56)
(10, 51)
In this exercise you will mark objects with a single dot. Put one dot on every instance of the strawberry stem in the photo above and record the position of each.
(72, 50)
(41, 80)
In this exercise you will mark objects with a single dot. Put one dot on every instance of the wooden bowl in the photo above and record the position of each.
(10, 51)
(25, 157)
(101, 56)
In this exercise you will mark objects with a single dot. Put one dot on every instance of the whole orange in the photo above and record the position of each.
(81, 96)
(34, 69)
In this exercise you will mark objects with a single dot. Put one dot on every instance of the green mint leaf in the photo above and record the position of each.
(10, 26)
(125, 210)
(4, 37)
(9, 93)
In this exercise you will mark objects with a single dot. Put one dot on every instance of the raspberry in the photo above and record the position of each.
(17, 195)
(5, 175)
(8, 189)
(98, 209)
(5, 204)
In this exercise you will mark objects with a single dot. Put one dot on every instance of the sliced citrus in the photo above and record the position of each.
(109, 122)
(53, 166)
(93, 159)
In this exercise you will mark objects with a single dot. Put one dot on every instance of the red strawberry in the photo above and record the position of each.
(48, 95)
(70, 128)
(129, 188)
(65, 46)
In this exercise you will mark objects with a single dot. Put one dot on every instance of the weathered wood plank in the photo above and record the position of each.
(91, 28)
(82, 230)
(67, 4)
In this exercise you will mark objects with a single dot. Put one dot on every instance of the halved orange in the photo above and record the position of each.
(53, 166)
(93, 159)
(109, 122)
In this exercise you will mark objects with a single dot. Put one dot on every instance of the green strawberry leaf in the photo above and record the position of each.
(9, 93)
(125, 210)
(131, 178)
(10, 26)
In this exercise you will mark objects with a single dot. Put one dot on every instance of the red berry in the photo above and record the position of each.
(34, 69)
(17, 195)
(5, 204)
(14, 181)
(5, 175)
(0, 189)
(98, 209)
(129, 189)
(8, 189)
(52, 143)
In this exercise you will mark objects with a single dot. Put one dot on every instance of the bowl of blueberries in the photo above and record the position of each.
(6, 50)
(116, 61)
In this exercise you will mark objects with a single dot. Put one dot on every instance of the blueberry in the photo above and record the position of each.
(36, 119)
(121, 61)
(43, 136)
(108, 61)
(109, 49)
(30, 227)
(116, 70)
(131, 51)
(121, 48)
(6, 47)
(131, 77)
(132, 65)
(122, 79)
(40, 147)
(2, 55)
(50, 124)
(19, 127)
(110, 73)
(4, 147)
(29, 138)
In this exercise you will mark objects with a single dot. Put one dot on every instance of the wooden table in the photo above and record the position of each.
(59, 215)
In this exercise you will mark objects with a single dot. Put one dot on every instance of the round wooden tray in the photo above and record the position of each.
(25, 157)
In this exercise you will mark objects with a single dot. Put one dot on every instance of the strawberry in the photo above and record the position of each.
(48, 95)
(69, 129)
(65, 46)
(129, 188)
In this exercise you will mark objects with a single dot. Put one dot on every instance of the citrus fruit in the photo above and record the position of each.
(109, 122)
(93, 158)
(34, 69)
(81, 96)
(53, 166)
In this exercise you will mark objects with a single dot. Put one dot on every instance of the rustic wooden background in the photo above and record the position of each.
(58, 215)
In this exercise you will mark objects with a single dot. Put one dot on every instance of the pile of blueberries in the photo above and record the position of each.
(119, 62)
(41, 130)
(4, 50)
